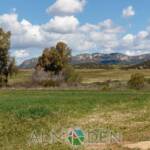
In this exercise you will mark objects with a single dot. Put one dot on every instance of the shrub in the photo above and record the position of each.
(50, 83)
(39, 76)
(46, 79)
(136, 81)
(70, 75)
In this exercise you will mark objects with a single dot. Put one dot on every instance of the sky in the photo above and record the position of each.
(87, 26)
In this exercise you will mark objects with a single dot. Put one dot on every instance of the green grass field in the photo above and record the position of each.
(89, 75)
(123, 111)
(24, 111)
(100, 75)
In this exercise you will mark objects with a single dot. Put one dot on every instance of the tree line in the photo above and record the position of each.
(53, 63)
(7, 63)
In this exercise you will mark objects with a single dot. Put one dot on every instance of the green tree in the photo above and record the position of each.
(54, 59)
(4, 56)
(12, 68)
(64, 51)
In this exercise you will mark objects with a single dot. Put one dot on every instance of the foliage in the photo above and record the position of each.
(12, 68)
(53, 67)
(50, 83)
(136, 81)
(70, 75)
(4, 56)
(55, 58)
(46, 79)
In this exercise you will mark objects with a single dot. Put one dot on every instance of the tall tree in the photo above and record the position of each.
(64, 52)
(54, 59)
(4, 56)
(12, 68)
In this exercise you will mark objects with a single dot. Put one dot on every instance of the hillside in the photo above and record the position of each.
(96, 58)
(29, 64)
(143, 65)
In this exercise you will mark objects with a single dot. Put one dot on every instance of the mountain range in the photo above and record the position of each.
(143, 65)
(97, 58)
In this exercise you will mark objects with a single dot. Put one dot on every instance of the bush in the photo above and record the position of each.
(136, 81)
(50, 83)
(70, 75)
(46, 79)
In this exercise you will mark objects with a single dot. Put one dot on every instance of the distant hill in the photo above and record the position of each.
(29, 64)
(114, 58)
(96, 58)
(143, 65)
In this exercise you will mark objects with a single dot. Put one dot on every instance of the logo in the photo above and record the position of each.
(75, 137)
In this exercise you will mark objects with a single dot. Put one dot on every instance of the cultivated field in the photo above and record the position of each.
(100, 75)
(89, 75)
(23, 112)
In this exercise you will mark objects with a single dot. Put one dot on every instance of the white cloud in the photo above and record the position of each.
(21, 53)
(106, 23)
(128, 12)
(66, 7)
(9, 22)
(142, 34)
(24, 34)
(66, 24)
(104, 36)
(136, 44)
(129, 38)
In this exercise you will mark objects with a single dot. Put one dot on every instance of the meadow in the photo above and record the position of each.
(23, 111)
(89, 75)
(101, 75)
